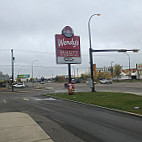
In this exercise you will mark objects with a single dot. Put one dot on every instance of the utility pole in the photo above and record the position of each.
(74, 71)
(77, 73)
(12, 59)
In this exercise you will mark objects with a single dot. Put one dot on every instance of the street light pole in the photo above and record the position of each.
(74, 71)
(112, 69)
(129, 62)
(90, 53)
(77, 73)
(33, 69)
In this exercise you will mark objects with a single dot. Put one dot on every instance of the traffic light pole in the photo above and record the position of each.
(105, 50)
(90, 52)
(91, 67)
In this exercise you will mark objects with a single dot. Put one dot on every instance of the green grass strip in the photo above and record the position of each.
(122, 101)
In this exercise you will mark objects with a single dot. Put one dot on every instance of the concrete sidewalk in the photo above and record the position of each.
(20, 127)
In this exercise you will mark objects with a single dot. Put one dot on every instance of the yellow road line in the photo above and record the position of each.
(4, 101)
(26, 99)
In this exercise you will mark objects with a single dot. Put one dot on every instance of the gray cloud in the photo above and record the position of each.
(32, 25)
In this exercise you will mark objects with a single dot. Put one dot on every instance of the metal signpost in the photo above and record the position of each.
(67, 48)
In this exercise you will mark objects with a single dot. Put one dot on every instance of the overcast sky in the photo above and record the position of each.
(29, 27)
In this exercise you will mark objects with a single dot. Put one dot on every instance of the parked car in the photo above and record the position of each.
(106, 81)
(19, 85)
(75, 80)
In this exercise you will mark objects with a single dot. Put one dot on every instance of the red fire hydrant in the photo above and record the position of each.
(71, 88)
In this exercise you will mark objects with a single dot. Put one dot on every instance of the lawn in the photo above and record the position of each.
(121, 101)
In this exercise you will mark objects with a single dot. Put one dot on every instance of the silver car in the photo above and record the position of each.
(106, 81)
(19, 85)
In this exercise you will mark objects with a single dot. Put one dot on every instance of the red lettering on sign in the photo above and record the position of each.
(68, 53)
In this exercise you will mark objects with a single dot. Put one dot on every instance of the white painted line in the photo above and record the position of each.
(47, 99)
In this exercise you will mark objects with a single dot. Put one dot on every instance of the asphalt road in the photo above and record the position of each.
(67, 121)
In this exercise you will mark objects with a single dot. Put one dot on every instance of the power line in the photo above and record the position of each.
(33, 51)
(4, 49)
(34, 66)
(56, 67)
(45, 52)
(41, 52)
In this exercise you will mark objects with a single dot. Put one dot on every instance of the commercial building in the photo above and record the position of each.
(4, 80)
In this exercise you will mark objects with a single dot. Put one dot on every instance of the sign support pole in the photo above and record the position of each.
(69, 72)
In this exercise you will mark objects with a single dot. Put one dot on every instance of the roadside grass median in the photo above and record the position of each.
(121, 101)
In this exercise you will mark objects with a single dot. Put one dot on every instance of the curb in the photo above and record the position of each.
(111, 109)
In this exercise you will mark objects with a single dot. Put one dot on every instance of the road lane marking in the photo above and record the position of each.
(26, 99)
(45, 99)
(4, 101)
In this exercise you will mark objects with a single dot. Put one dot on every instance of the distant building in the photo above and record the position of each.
(133, 72)
(139, 71)
(4, 80)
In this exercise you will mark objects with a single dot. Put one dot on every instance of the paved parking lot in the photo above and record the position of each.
(129, 87)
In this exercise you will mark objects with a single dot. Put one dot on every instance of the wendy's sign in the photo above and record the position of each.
(67, 31)
(67, 47)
